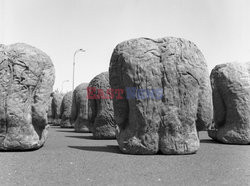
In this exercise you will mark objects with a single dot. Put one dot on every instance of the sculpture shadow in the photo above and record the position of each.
(89, 137)
(213, 141)
(81, 137)
(18, 151)
(67, 130)
(21, 150)
(115, 149)
(209, 141)
(108, 148)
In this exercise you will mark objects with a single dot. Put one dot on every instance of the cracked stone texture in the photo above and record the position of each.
(79, 110)
(55, 107)
(231, 100)
(49, 114)
(169, 124)
(100, 111)
(26, 82)
(65, 110)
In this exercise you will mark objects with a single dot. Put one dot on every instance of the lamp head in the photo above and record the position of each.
(81, 50)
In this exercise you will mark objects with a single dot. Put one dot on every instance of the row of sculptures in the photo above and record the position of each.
(124, 103)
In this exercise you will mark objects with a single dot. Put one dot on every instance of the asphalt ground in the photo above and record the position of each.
(70, 158)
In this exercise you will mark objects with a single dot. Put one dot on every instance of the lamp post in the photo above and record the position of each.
(78, 50)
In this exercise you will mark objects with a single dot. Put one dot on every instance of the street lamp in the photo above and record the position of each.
(78, 50)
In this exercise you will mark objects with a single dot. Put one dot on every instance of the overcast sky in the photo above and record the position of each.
(220, 28)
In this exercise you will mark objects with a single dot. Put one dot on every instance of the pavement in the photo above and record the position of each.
(70, 158)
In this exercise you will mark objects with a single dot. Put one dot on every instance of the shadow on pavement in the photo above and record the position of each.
(89, 137)
(115, 149)
(81, 137)
(208, 141)
(72, 130)
(18, 151)
(108, 148)
(21, 150)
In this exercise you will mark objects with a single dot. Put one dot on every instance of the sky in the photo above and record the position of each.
(220, 28)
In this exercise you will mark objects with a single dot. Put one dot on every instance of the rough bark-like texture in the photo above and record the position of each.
(100, 111)
(177, 69)
(66, 110)
(49, 114)
(26, 82)
(56, 105)
(231, 100)
(79, 110)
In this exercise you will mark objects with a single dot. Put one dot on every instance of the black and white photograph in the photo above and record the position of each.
(124, 92)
